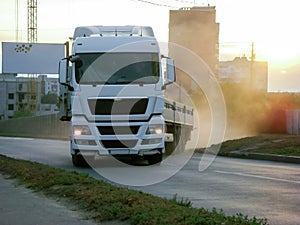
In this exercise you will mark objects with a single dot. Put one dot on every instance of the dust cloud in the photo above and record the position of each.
(249, 111)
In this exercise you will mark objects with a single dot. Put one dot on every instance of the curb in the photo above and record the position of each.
(268, 157)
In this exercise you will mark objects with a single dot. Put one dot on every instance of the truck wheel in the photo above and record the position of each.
(169, 148)
(154, 159)
(79, 161)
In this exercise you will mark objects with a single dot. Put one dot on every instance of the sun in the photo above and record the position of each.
(282, 51)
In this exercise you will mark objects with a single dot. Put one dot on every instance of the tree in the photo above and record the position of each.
(49, 98)
(23, 113)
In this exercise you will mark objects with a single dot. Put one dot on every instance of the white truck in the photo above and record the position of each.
(113, 92)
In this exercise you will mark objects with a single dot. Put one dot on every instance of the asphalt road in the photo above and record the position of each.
(256, 188)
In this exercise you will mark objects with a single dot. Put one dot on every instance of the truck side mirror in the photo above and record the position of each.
(63, 71)
(171, 76)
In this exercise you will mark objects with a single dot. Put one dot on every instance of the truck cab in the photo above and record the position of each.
(112, 92)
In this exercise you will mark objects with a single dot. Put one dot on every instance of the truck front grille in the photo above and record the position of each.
(122, 106)
(119, 144)
(118, 130)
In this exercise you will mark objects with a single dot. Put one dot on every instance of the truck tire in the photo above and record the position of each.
(155, 159)
(79, 161)
(169, 148)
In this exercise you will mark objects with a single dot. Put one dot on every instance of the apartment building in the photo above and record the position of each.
(24, 92)
(197, 30)
(244, 71)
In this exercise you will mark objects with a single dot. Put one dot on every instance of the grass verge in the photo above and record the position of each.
(287, 145)
(104, 202)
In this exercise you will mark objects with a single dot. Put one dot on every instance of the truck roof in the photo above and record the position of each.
(98, 44)
(86, 31)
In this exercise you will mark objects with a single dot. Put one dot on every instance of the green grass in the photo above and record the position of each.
(102, 201)
(288, 145)
(287, 150)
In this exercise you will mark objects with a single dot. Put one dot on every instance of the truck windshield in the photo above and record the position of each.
(117, 68)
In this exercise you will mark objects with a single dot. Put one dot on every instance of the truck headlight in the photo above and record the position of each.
(155, 129)
(81, 130)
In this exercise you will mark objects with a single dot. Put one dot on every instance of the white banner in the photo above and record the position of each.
(31, 58)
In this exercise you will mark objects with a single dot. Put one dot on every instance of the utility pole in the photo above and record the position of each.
(252, 74)
(17, 19)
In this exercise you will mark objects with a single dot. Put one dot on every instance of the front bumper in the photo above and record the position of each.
(117, 138)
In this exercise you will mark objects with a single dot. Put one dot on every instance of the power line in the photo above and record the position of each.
(167, 5)
(154, 3)
(183, 1)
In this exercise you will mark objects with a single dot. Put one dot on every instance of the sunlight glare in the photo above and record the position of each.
(279, 52)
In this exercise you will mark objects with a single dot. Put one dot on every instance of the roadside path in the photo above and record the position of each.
(22, 206)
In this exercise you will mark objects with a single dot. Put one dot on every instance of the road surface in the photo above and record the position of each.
(256, 188)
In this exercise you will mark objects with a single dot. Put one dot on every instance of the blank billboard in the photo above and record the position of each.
(31, 58)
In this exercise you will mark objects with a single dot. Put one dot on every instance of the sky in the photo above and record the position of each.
(271, 25)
